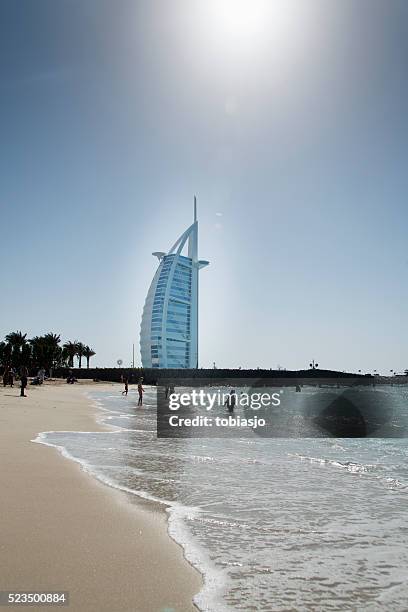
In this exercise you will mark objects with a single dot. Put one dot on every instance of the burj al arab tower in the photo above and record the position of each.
(169, 330)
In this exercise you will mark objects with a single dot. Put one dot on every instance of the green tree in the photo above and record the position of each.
(88, 353)
(17, 339)
(45, 351)
(69, 352)
(5, 353)
(80, 348)
(19, 348)
(54, 351)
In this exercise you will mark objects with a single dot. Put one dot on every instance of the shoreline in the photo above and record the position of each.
(57, 518)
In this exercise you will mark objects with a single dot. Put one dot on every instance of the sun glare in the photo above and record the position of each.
(252, 19)
(239, 17)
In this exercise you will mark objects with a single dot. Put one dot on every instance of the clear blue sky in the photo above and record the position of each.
(288, 120)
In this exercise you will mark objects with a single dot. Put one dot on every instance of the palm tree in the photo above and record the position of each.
(17, 342)
(80, 348)
(88, 353)
(37, 350)
(69, 352)
(51, 338)
(55, 351)
(16, 339)
(46, 352)
(5, 353)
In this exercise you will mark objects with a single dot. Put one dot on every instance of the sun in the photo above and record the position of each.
(239, 17)
(250, 19)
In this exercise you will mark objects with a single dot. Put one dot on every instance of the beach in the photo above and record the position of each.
(62, 530)
(126, 521)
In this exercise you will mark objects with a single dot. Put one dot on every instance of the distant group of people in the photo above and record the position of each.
(230, 402)
(39, 379)
(140, 389)
(9, 376)
(71, 378)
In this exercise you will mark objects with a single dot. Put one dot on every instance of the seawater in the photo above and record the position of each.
(272, 524)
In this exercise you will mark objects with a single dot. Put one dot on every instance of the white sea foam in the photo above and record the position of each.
(208, 598)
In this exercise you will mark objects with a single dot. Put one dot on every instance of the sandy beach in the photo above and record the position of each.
(62, 530)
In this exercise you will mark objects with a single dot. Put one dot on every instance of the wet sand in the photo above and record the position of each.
(61, 530)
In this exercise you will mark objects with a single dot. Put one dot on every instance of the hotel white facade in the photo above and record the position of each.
(169, 329)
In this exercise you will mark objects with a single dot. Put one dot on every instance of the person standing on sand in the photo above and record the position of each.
(230, 401)
(23, 379)
(169, 390)
(141, 391)
(126, 389)
(11, 377)
(41, 375)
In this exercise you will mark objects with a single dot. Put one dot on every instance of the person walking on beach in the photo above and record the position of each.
(140, 391)
(169, 390)
(11, 377)
(126, 389)
(23, 380)
(230, 401)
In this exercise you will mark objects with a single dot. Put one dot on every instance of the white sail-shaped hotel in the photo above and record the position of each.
(169, 330)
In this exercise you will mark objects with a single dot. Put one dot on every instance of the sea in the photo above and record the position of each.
(272, 523)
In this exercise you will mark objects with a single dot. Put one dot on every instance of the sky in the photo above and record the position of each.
(287, 118)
